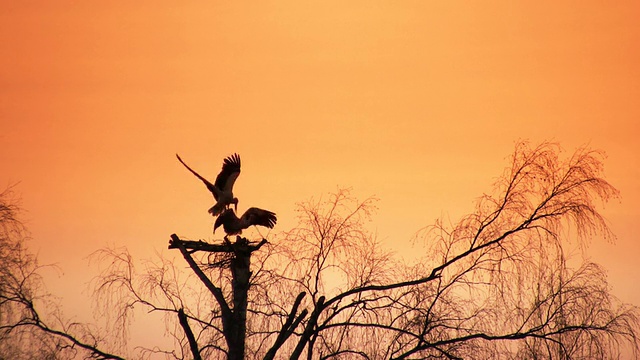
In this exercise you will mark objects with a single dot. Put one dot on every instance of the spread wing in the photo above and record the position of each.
(255, 216)
(229, 173)
(209, 185)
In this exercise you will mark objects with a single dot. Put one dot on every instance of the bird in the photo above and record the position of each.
(222, 190)
(233, 225)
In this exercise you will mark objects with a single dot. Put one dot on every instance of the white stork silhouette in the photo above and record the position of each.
(233, 225)
(222, 190)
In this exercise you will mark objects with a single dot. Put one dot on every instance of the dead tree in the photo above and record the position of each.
(234, 312)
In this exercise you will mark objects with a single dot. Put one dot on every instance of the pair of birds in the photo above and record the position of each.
(222, 191)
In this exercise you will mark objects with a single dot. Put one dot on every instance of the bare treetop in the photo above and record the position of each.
(497, 284)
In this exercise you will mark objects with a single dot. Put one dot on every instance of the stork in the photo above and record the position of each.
(222, 190)
(233, 225)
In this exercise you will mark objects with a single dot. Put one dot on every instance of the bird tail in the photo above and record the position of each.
(216, 209)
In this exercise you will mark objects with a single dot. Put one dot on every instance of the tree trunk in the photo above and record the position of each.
(234, 320)
(240, 275)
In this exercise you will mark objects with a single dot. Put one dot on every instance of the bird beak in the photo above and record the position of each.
(235, 205)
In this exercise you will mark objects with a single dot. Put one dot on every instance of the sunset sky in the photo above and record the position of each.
(418, 103)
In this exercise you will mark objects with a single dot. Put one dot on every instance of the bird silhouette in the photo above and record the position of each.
(233, 225)
(222, 190)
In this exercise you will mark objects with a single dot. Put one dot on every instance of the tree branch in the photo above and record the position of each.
(193, 344)
(288, 327)
(216, 291)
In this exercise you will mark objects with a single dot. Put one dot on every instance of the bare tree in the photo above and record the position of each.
(496, 284)
(31, 326)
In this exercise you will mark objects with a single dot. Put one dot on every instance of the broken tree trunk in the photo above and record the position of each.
(234, 319)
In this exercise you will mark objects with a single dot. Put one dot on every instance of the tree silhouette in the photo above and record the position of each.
(496, 284)
(31, 325)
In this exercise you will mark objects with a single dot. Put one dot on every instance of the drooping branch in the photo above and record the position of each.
(95, 352)
(29, 320)
(479, 272)
(23, 300)
(531, 333)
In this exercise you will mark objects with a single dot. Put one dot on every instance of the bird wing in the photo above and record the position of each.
(229, 173)
(209, 185)
(255, 216)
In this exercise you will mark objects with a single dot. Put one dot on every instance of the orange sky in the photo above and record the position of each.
(416, 102)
